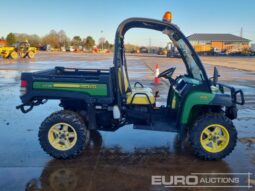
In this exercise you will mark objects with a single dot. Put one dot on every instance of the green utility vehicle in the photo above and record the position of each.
(197, 107)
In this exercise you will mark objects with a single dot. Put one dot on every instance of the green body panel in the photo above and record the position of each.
(194, 99)
(86, 88)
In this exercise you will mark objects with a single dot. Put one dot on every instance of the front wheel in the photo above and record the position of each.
(63, 135)
(30, 54)
(213, 136)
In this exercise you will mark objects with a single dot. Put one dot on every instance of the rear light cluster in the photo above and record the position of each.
(23, 87)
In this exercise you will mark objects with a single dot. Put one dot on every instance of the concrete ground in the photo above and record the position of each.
(121, 160)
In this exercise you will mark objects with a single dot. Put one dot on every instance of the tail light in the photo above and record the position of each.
(23, 87)
(23, 83)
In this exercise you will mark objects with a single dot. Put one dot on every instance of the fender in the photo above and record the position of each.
(193, 99)
(222, 100)
(203, 98)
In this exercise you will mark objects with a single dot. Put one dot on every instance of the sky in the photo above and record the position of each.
(100, 18)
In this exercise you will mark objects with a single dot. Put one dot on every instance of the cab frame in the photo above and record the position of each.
(145, 23)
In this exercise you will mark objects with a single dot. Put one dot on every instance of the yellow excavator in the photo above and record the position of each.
(20, 49)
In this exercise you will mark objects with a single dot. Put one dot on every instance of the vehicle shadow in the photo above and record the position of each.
(110, 168)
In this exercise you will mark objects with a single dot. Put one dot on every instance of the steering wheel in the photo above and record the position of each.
(167, 73)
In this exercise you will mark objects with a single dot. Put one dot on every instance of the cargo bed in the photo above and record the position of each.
(69, 83)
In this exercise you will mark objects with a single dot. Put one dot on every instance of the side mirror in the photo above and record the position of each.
(215, 76)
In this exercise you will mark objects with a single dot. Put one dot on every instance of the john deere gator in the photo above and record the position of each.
(197, 107)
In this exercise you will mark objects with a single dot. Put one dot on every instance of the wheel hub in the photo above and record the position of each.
(62, 136)
(214, 138)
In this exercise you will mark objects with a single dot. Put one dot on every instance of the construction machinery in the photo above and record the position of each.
(19, 49)
(162, 51)
(172, 51)
(205, 49)
(100, 51)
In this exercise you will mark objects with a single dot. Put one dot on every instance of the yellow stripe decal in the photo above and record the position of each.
(74, 86)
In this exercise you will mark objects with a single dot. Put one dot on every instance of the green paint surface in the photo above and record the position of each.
(86, 88)
(195, 98)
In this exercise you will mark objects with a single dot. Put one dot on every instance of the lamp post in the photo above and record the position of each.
(102, 39)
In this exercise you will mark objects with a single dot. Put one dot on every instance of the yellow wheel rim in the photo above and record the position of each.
(31, 54)
(14, 55)
(5, 54)
(62, 136)
(214, 138)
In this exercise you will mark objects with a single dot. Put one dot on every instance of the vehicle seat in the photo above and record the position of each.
(139, 95)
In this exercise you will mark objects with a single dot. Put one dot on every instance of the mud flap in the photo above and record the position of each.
(231, 112)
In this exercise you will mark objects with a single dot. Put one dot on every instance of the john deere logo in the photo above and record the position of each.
(89, 86)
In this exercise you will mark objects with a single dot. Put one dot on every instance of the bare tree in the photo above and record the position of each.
(64, 41)
(56, 39)
(33, 39)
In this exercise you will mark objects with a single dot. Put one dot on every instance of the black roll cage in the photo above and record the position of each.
(119, 55)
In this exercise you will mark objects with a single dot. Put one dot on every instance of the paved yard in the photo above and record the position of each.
(123, 159)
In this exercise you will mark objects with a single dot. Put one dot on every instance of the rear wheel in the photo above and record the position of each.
(13, 55)
(213, 137)
(63, 135)
(5, 54)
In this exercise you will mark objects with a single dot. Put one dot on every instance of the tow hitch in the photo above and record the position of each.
(25, 108)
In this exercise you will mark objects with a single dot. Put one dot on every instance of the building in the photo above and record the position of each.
(253, 47)
(221, 42)
(3, 43)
